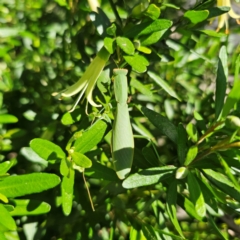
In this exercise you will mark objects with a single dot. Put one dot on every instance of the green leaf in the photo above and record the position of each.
(6, 219)
(171, 205)
(154, 37)
(91, 137)
(163, 84)
(222, 182)
(47, 150)
(162, 123)
(196, 195)
(196, 16)
(14, 133)
(149, 232)
(191, 154)
(2, 236)
(71, 117)
(221, 81)
(212, 33)
(147, 27)
(215, 228)
(126, 45)
(81, 160)
(192, 132)
(234, 96)
(148, 176)
(153, 11)
(100, 171)
(109, 44)
(137, 62)
(67, 192)
(28, 207)
(7, 118)
(16, 186)
(64, 167)
(32, 156)
(216, 11)
(181, 143)
(190, 209)
(112, 30)
(208, 195)
(5, 166)
(140, 87)
(3, 198)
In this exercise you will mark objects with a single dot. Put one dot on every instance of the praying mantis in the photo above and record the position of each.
(122, 135)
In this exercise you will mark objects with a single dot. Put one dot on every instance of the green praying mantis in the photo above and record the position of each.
(122, 135)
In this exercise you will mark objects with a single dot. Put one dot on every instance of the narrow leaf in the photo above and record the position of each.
(181, 143)
(162, 123)
(192, 132)
(196, 195)
(171, 205)
(67, 192)
(149, 232)
(221, 81)
(223, 183)
(191, 154)
(163, 84)
(215, 227)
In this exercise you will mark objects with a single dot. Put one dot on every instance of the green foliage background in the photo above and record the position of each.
(184, 182)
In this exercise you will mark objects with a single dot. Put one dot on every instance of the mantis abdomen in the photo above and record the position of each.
(122, 136)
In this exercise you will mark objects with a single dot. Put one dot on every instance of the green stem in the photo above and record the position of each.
(113, 6)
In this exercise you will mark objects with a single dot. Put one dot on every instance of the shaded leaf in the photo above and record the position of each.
(181, 143)
(148, 176)
(162, 123)
(221, 81)
(27, 207)
(148, 27)
(101, 172)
